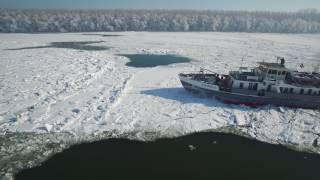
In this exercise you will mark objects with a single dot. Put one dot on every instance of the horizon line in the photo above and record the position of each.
(164, 9)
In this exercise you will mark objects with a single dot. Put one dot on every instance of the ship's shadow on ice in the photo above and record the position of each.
(153, 60)
(181, 95)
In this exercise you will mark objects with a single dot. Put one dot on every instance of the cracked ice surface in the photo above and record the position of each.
(52, 91)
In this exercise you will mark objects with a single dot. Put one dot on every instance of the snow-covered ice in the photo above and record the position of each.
(87, 93)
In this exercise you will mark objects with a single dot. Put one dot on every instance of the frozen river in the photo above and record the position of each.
(61, 89)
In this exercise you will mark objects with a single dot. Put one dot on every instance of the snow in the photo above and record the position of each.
(41, 20)
(88, 93)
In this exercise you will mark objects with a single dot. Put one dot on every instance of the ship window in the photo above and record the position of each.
(283, 72)
(269, 88)
(319, 93)
(274, 72)
(309, 91)
(279, 72)
(301, 91)
(285, 90)
(255, 86)
(291, 91)
(263, 69)
(281, 89)
(269, 72)
(241, 85)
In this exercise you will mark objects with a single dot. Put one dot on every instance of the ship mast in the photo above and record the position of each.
(241, 66)
(317, 68)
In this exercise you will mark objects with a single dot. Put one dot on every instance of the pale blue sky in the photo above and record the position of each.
(273, 5)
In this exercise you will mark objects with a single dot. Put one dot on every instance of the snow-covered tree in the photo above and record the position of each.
(304, 21)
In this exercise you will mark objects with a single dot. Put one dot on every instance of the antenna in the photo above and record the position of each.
(317, 68)
(242, 60)
(241, 66)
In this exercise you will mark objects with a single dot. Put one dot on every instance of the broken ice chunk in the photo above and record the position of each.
(191, 147)
(46, 127)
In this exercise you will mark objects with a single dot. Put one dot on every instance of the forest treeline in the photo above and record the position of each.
(33, 21)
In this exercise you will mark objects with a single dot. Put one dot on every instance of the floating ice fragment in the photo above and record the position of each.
(48, 127)
(281, 109)
(191, 147)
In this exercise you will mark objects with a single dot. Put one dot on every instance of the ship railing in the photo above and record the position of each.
(202, 70)
(201, 77)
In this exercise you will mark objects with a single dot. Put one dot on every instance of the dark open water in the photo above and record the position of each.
(153, 60)
(213, 156)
